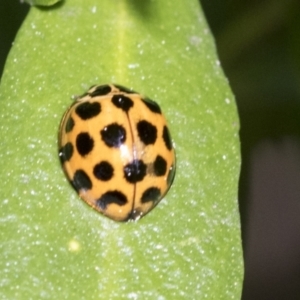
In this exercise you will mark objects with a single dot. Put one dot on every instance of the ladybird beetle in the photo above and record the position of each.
(116, 150)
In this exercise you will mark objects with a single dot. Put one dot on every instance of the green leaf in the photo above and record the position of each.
(55, 246)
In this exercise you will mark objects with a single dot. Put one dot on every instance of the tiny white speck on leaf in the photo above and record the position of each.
(74, 246)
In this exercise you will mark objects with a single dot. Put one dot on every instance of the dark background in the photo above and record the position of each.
(259, 47)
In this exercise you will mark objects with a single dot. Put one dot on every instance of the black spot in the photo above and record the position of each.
(135, 171)
(65, 153)
(101, 90)
(171, 175)
(152, 105)
(167, 138)
(81, 181)
(113, 135)
(103, 171)
(147, 132)
(160, 166)
(110, 197)
(151, 194)
(124, 89)
(69, 125)
(84, 143)
(123, 102)
(88, 110)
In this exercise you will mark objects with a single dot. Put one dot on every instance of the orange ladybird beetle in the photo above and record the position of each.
(116, 150)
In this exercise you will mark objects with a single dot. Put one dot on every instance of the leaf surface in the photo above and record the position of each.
(52, 244)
